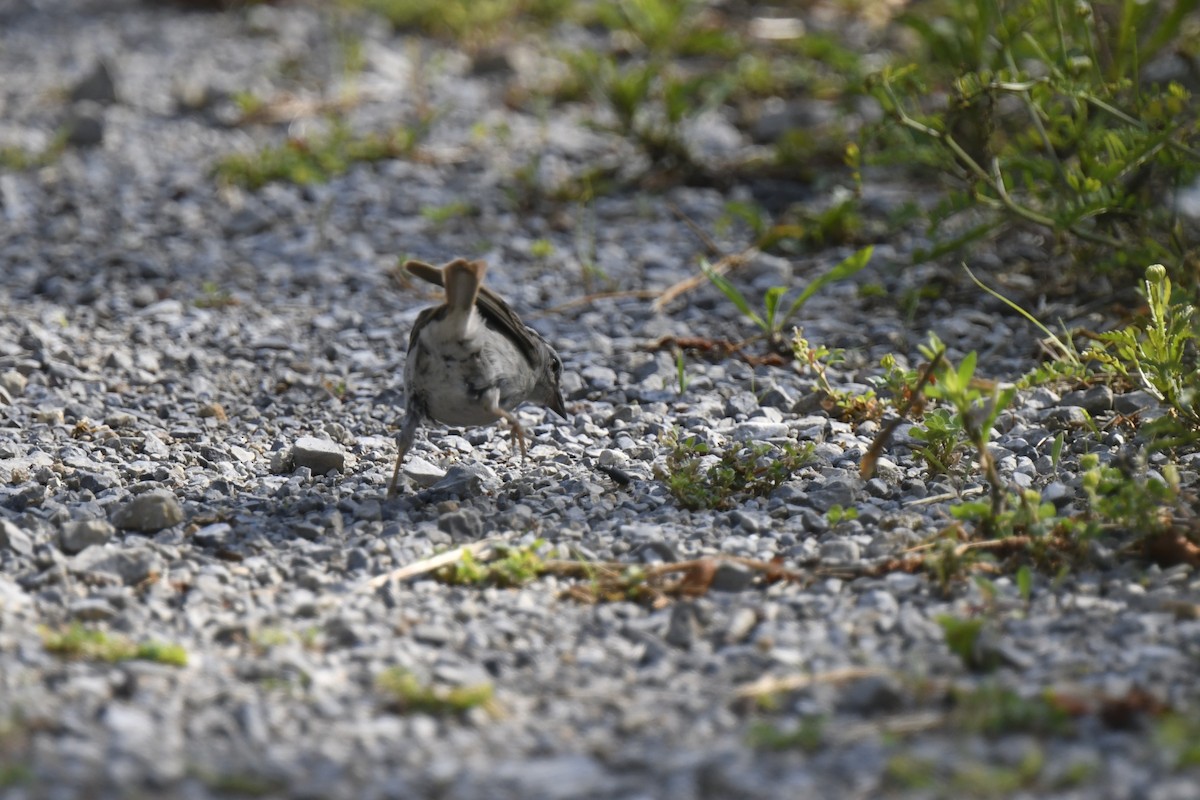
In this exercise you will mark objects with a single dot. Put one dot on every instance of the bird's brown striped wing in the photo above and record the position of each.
(493, 308)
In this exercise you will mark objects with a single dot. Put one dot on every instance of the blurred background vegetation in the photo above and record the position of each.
(1059, 135)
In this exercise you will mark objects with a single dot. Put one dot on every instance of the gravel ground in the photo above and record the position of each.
(199, 389)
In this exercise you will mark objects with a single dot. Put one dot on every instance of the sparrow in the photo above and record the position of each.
(471, 361)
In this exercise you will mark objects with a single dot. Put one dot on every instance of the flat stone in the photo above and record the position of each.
(85, 126)
(747, 522)
(840, 551)
(682, 627)
(1094, 400)
(741, 623)
(741, 403)
(466, 523)
(78, 535)
(1058, 493)
(97, 86)
(214, 535)
(319, 455)
(422, 472)
(282, 461)
(1133, 402)
(91, 609)
(876, 694)
(730, 576)
(308, 530)
(12, 596)
(777, 398)
(842, 493)
(50, 416)
(599, 377)
(149, 512)
(13, 382)
(1066, 417)
(552, 778)
(759, 431)
(462, 481)
(15, 538)
(429, 633)
(96, 481)
(131, 566)
(154, 446)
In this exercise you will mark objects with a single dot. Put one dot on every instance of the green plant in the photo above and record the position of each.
(1024, 579)
(841, 403)
(1022, 512)
(1177, 736)
(948, 562)
(818, 358)
(976, 412)
(808, 735)
(266, 639)
(18, 158)
(242, 784)
(470, 22)
(214, 296)
(408, 695)
(1062, 350)
(802, 228)
(942, 432)
(963, 639)
(248, 103)
(973, 779)
(1048, 123)
(897, 381)
(1159, 356)
(1124, 498)
(699, 478)
(515, 566)
(78, 642)
(15, 775)
(838, 514)
(995, 711)
(442, 214)
(541, 249)
(681, 377)
(771, 322)
(750, 214)
(652, 93)
(316, 159)
(905, 771)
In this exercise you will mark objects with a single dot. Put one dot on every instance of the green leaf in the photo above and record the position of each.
(848, 267)
(962, 637)
(771, 303)
(1025, 582)
(735, 297)
(966, 370)
(1001, 401)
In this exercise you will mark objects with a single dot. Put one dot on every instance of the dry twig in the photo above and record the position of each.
(481, 551)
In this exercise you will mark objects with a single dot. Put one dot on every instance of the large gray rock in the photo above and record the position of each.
(131, 566)
(149, 512)
(81, 534)
(319, 455)
(13, 537)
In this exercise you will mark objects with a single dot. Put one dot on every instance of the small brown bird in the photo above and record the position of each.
(471, 361)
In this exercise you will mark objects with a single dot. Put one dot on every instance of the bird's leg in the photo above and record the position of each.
(492, 399)
(404, 440)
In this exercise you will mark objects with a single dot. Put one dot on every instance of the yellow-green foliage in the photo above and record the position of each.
(79, 642)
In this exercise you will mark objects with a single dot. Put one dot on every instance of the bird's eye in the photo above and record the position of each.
(558, 367)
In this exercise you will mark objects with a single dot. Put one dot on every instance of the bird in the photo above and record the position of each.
(471, 360)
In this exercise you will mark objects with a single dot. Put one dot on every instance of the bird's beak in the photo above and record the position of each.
(556, 403)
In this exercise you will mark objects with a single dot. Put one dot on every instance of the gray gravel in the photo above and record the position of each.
(199, 389)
